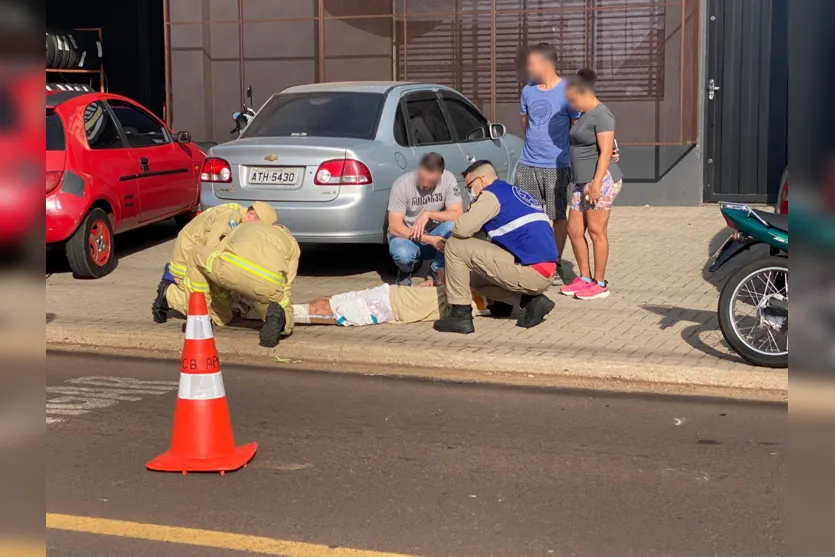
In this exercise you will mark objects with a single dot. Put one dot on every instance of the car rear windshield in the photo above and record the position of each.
(332, 114)
(54, 132)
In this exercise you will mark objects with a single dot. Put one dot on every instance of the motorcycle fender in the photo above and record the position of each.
(728, 251)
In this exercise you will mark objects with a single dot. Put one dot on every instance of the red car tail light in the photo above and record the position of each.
(347, 172)
(53, 179)
(216, 170)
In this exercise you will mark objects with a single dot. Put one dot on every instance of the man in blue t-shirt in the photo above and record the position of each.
(544, 168)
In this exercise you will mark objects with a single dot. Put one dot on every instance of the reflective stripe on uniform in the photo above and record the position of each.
(196, 286)
(178, 271)
(518, 223)
(252, 268)
(285, 302)
(211, 260)
(201, 386)
(198, 327)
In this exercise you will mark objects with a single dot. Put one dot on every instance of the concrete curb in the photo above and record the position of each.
(420, 360)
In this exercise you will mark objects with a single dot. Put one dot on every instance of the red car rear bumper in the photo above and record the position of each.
(64, 213)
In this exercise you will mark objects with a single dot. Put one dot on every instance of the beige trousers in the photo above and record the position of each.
(474, 264)
(220, 307)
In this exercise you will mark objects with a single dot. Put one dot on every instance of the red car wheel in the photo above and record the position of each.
(100, 242)
(90, 250)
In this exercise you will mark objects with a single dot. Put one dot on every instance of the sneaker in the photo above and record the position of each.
(592, 290)
(577, 285)
(559, 277)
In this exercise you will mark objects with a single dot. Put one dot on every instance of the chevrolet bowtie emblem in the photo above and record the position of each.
(271, 158)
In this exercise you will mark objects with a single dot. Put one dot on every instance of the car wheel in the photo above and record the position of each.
(90, 250)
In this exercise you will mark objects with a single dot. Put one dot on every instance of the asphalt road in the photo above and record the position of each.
(415, 468)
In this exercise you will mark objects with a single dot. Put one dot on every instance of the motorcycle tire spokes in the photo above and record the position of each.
(758, 311)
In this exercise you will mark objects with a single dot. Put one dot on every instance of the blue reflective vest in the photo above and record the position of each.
(521, 227)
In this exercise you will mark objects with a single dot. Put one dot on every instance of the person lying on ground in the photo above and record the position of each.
(206, 229)
(382, 304)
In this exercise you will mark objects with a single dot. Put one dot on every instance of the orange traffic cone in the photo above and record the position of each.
(202, 438)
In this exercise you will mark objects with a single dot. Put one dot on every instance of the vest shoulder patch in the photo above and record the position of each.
(526, 198)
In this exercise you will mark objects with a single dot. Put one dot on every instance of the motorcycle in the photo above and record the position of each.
(245, 116)
(754, 302)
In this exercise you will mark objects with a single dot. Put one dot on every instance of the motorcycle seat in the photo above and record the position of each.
(774, 220)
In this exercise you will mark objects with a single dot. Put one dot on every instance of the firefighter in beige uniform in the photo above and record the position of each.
(256, 261)
(206, 229)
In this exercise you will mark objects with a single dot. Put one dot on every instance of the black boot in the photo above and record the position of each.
(500, 309)
(274, 324)
(160, 307)
(459, 320)
(536, 308)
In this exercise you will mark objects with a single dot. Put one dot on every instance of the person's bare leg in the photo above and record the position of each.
(560, 235)
(577, 233)
(597, 222)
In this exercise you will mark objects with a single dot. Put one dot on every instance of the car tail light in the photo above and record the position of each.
(347, 172)
(53, 178)
(216, 170)
(783, 199)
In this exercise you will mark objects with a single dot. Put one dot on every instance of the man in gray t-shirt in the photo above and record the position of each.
(423, 206)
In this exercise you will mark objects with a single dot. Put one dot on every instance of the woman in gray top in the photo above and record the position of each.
(597, 178)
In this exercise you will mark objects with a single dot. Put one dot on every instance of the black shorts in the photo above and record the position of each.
(548, 185)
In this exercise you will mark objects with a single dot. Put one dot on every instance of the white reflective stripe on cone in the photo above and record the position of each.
(198, 327)
(201, 386)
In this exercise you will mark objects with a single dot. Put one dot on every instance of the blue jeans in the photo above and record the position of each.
(407, 254)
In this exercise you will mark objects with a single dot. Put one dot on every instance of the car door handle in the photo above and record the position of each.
(143, 164)
(470, 157)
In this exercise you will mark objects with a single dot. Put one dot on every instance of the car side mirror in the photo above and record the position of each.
(497, 131)
(183, 137)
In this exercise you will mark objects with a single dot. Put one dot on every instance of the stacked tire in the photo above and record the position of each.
(73, 50)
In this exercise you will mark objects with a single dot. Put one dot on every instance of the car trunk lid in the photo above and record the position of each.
(293, 161)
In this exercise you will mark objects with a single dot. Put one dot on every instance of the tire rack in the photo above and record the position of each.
(99, 71)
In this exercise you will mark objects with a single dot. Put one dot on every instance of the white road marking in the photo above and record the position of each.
(84, 394)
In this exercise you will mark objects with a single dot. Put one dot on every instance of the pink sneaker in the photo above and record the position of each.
(592, 290)
(577, 285)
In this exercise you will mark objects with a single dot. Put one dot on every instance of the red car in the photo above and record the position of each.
(111, 166)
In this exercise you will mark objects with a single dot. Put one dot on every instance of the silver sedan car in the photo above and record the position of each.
(325, 155)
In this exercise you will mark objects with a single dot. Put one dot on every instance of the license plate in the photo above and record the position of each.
(273, 176)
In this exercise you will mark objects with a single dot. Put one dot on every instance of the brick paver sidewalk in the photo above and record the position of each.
(661, 313)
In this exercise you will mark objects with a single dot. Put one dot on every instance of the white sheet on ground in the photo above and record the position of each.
(364, 307)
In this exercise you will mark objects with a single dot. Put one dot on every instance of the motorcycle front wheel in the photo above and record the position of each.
(753, 312)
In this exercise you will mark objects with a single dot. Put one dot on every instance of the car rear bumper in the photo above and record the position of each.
(63, 215)
(356, 216)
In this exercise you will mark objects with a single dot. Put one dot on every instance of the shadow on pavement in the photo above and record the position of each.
(346, 260)
(718, 279)
(701, 321)
(126, 245)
